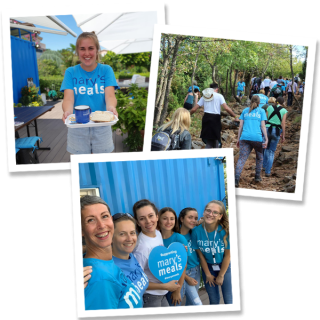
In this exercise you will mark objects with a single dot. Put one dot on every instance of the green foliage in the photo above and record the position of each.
(52, 56)
(141, 59)
(52, 83)
(30, 97)
(297, 119)
(113, 60)
(128, 75)
(48, 68)
(132, 115)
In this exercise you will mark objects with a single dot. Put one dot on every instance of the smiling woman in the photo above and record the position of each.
(89, 84)
(108, 287)
(211, 242)
(169, 227)
(146, 214)
(123, 243)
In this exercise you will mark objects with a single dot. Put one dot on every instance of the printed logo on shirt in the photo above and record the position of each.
(133, 294)
(189, 246)
(136, 274)
(90, 86)
(253, 115)
(205, 246)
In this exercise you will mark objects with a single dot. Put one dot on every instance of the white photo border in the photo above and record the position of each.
(29, 11)
(75, 160)
(240, 35)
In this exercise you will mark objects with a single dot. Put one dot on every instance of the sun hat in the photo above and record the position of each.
(207, 94)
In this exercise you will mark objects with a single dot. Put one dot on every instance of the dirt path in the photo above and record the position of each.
(283, 172)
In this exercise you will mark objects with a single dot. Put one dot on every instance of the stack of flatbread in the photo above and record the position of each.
(102, 116)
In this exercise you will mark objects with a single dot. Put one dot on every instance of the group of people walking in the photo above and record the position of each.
(117, 248)
(260, 129)
(211, 101)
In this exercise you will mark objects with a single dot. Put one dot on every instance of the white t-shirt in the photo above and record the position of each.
(266, 82)
(272, 84)
(214, 105)
(142, 251)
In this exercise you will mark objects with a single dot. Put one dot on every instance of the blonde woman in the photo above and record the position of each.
(211, 242)
(252, 125)
(91, 84)
(179, 125)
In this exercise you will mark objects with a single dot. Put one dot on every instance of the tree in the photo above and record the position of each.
(53, 56)
(48, 68)
(141, 59)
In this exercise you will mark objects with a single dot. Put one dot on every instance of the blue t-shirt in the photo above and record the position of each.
(176, 237)
(200, 241)
(194, 87)
(252, 124)
(241, 85)
(108, 287)
(133, 271)
(263, 99)
(193, 259)
(88, 87)
(190, 99)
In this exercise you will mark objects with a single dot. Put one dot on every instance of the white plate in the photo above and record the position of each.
(74, 124)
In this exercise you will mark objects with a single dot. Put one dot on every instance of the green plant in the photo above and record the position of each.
(297, 119)
(132, 115)
(30, 95)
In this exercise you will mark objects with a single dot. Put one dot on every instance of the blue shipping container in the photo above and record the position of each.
(175, 183)
(24, 65)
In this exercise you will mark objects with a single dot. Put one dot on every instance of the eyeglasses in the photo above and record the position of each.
(120, 215)
(215, 213)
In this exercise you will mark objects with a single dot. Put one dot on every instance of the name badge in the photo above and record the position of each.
(215, 267)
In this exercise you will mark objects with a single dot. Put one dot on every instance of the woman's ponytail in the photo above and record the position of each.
(255, 101)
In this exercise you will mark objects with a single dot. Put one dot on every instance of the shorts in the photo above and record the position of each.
(239, 93)
(90, 140)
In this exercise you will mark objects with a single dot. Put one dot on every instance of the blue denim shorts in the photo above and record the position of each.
(90, 140)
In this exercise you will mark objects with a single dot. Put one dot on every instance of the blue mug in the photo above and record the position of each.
(82, 114)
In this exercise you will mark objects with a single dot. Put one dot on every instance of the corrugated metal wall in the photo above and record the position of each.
(176, 183)
(24, 65)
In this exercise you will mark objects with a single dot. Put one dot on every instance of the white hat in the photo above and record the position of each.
(207, 94)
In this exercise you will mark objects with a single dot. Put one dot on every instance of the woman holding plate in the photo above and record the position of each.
(89, 84)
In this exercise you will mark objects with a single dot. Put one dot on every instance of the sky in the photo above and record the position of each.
(58, 42)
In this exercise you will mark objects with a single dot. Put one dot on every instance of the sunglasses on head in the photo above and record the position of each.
(120, 215)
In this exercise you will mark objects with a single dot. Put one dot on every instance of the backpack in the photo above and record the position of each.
(256, 85)
(277, 92)
(164, 141)
(276, 112)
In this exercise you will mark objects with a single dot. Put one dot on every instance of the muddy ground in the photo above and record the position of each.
(283, 172)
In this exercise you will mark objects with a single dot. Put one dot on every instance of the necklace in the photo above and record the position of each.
(90, 72)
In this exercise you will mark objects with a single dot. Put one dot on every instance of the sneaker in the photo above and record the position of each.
(236, 183)
(257, 178)
(268, 174)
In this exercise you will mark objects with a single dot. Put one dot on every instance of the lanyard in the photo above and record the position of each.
(213, 251)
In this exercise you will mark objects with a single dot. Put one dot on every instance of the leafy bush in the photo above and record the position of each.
(124, 75)
(132, 115)
(52, 83)
(30, 95)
